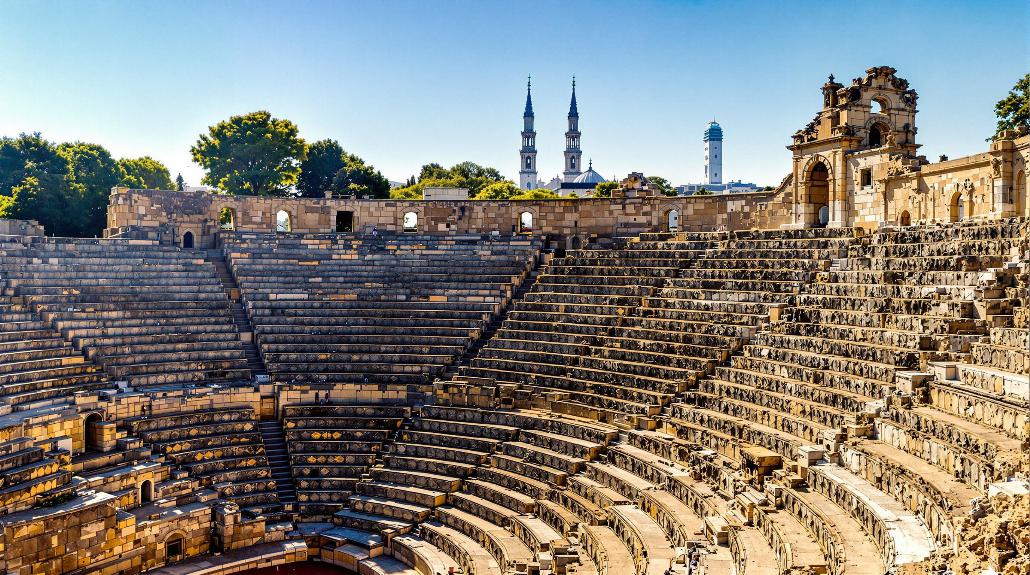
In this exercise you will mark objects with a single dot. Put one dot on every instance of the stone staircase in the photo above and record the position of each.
(278, 461)
(495, 323)
(239, 313)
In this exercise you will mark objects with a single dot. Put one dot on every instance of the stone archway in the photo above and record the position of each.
(344, 221)
(175, 549)
(816, 193)
(227, 219)
(283, 221)
(146, 492)
(905, 219)
(957, 208)
(672, 220)
(526, 222)
(409, 222)
(878, 134)
(92, 431)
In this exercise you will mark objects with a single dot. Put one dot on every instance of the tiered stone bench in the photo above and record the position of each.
(393, 309)
(149, 314)
(221, 449)
(331, 447)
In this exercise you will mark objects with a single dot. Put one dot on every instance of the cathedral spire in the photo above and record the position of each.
(529, 98)
(573, 111)
(527, 153)
(573, 154)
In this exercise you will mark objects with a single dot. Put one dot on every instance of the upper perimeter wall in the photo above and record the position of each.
(169, 215)
(20, 228)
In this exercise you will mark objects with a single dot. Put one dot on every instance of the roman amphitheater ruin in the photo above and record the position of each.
(827, 378)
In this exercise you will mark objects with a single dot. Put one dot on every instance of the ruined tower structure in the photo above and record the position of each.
(870, 122)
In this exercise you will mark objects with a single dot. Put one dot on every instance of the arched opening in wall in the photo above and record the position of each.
(344, 222)
(823, 217)
(173, 549)
(905, 219)
(672, 221)
(410, 222)
(282, 221)
(526, 223)
(576, 243)
(958, 208)
(146, 492)
(92, 423)
(877, 135)
(227, 219)
(1019, 201)
(876, 107)
(819, 193)
(187, 241)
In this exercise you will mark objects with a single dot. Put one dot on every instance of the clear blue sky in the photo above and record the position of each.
(406, 83)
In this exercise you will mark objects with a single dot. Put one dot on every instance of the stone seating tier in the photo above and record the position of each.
(108, 296)
(348, 293)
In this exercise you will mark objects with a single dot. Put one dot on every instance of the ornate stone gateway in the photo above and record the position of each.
(856, 164)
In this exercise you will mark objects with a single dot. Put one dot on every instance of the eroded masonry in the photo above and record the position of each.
(828, 378)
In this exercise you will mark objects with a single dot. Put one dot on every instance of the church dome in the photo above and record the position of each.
(713, 131)
(590, 176)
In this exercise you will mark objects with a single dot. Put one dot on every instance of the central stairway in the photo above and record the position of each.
(278, 461)
(239, 313)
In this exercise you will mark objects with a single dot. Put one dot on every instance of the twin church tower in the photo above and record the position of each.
(573, 154)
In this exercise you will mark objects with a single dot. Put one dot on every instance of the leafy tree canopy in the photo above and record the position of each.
(30, 155)
(146, 173)
(324, 159)
(358, 178)
(464, 175)
(1013, 110)
(663, 185)
(702, 192)
(537, 194)
(93, 173)
(328, 167)
(254, 154)
(35, 184)
(412, 192)
(605, 189)
(498, 191)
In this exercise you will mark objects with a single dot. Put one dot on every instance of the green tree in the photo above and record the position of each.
(475, 177)
(35, 184)
(498, 191)
(1013, 110)
(663, 185)
(702, 192)
(146, 173)
(605, 189)
(254, 154)
(324, 159)
(360, 179)
(413, 192)
(93, 173)
(537, 194)
(433, 171)
(30, 155)
(180, 183)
